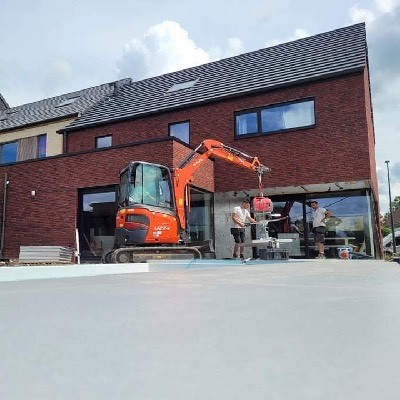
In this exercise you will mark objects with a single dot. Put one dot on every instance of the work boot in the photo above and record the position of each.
(321, 256)
(234, 255)
(242, 257)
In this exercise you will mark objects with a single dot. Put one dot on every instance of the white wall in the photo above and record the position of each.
(224, 204)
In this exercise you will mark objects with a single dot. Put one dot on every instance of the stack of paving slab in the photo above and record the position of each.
(45, 254)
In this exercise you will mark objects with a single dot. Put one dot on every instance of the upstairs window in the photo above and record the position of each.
(180, 130)
(8, 152)
(42, 146)
(276, 118)
(103, 141)
(23, 149)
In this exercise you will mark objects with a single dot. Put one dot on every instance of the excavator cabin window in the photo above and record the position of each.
(149, 184)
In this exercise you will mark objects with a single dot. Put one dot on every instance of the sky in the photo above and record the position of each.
(52, 47)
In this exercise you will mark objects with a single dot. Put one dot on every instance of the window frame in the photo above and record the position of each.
(258, 112)
(170, 125)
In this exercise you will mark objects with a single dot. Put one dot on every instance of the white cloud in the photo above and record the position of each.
(382, 7)
(164, 48)
(299, 33)
(361, 15)
(235, 47)
(387, 6)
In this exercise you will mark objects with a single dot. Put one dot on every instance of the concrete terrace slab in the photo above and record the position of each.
(8, 274)
(295, 330)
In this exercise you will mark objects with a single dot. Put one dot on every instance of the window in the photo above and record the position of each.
(103, 141)
(24, 149)
(67, 102)
(180, 130)
(183, 85)
(42, 146)
(8, 152)
(246, 123)
(276, 118)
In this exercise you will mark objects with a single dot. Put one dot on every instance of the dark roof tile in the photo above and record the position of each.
(337, 52)
(52, 108)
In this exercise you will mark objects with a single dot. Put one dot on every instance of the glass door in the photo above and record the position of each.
(96, 222)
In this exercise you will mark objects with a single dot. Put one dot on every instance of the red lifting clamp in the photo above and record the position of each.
(261, 203)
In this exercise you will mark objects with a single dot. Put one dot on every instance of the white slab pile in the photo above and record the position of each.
(45, 254)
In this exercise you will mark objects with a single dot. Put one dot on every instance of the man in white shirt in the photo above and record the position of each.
(318, 216)
(239, 216)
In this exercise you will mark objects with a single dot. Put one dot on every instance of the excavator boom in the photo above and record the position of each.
(183, 175)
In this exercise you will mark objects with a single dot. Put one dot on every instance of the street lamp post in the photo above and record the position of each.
(391, 209)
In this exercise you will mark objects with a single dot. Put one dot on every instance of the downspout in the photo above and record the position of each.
(64, 143)
(3, 218)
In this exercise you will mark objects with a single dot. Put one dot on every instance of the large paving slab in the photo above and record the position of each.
(296, 330)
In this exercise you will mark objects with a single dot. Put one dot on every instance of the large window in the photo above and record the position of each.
(180, 130)
(8, 152)
(24, 149)
(350, 225)
(279, 117)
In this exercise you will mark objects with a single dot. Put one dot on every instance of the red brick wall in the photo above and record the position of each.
(337, 149)
(49, 218)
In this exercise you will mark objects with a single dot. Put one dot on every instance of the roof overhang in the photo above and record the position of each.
(313, 189)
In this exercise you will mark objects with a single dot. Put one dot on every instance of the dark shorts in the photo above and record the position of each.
(238, 234)
(319, 233)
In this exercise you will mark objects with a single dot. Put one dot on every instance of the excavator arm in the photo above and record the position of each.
(183, 175)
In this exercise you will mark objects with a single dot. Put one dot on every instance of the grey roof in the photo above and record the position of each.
(316, 57)
(3, 104)
(54, 108)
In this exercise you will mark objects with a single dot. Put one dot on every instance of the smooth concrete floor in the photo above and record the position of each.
(301, 330)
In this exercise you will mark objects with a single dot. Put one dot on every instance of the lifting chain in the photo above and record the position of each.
(260, 191)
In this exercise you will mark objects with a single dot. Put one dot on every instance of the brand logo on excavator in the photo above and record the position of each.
(162, 228)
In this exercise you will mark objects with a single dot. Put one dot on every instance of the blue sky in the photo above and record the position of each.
(52, 47)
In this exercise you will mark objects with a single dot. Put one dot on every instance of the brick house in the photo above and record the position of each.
(30, 131)
(303, 107)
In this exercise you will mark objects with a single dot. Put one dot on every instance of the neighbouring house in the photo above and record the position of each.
(396, 219)
(29, 131)
(3, 104)
(303, 107)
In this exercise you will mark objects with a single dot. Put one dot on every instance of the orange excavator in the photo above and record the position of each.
(153, 203)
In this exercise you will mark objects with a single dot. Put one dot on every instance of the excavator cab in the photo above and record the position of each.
(146, 206)
(145, 184)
